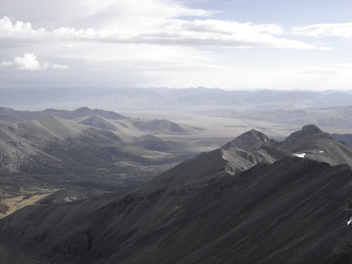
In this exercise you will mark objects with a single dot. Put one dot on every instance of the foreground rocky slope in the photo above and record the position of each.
(281, 209)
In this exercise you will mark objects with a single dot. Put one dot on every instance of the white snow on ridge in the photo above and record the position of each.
(349, 221)
(299, 155)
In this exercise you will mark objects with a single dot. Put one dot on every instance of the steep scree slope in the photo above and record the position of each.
(292, 211)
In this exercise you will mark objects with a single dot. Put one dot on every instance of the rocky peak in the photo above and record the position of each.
(307, 131)
(251, 140)
(311, 129)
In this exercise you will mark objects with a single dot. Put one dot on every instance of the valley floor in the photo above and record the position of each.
(29, 197)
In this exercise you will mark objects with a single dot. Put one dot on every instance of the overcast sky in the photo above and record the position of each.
(231, 44)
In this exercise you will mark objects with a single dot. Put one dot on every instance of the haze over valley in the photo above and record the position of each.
(67, 155)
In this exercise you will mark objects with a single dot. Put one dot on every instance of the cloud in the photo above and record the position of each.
(340, 69)
(60, 67)
(19, 30)
(29, 62)
(217, 33)
(162, 42)
(208, 33)
(118, 14)
(343, 30)
(7, 63)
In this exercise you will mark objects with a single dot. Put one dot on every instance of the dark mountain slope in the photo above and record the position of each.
(280, 210)
(292, 211)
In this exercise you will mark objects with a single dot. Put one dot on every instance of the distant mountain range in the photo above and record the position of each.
(8, 114)
(166, 97)
(254, 200)
(97, 118)
(345, 138)
(335, 116)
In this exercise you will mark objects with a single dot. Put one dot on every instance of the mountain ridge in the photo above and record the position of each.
(198, 212)
(9, 114)
(254, 147)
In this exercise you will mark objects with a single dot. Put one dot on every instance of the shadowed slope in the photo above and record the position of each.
(264, 215)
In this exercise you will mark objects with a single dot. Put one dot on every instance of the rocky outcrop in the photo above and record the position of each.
(254, 147)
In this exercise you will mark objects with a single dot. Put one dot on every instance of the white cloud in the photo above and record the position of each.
(340, 69)
(219, 33)
(211, 33)
(343, 66)
(268, 28)
(6, 63)
(60, 67)
(29, 62)
(107, 14)
(343, 30)
(19, 30)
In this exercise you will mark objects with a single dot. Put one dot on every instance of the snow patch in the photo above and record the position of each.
(349, 221)
(299, 155)
(70, 199)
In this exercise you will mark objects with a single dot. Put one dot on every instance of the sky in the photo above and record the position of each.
(233, 44)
